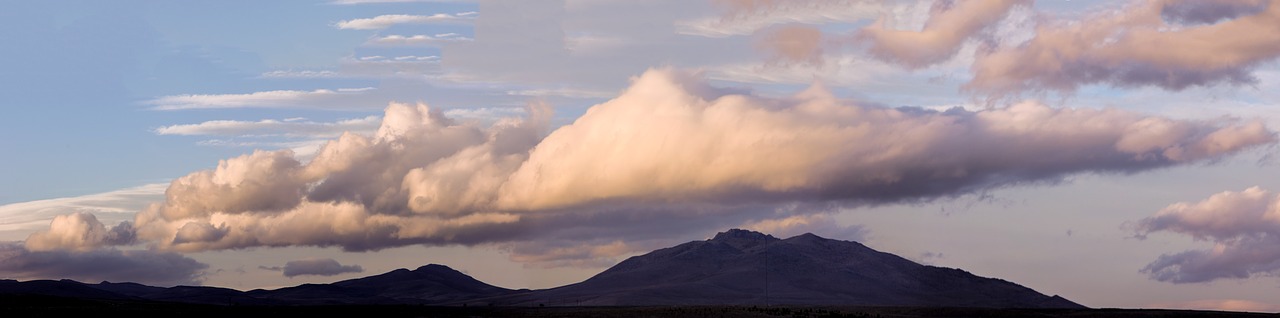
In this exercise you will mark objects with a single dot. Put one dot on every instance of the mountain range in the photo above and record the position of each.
(736, 267)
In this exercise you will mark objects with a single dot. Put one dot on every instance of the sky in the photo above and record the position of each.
(1117, 153)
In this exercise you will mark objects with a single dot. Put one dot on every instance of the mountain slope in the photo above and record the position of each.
(737, 266)
(430, 284)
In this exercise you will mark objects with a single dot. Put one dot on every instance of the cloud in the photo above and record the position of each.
(819, 224)
(140, 266)
(269, 127)
(1128, 48)
(1221, 304)
(318, 267)
(949, 26)
(79, 232)
(798, 44)
(564, 253)
(267, 99)
(418, 40)
(1244, 227)
(747, 17)
(355, 2)
(113, 206)
(386, 21)
(671, 155)
(299, 74)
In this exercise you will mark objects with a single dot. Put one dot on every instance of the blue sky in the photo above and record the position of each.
(105, 104)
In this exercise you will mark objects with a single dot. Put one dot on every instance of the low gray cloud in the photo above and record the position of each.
(317, 267)
(140, 266)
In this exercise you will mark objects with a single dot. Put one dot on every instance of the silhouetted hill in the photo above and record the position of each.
(740, 267)
(736, 267)
(430, 284)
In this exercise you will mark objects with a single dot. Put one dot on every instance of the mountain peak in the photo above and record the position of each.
(740, 234)
(742, 239)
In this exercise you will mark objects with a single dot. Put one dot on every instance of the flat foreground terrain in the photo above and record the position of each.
(44, 306)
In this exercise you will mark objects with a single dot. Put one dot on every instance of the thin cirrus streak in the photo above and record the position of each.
(671, 153)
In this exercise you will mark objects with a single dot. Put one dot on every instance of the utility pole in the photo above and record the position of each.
(766, 272)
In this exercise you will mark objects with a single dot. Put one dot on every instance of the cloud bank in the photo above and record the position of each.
(671, 154)
(139, 266)
(1244, 227)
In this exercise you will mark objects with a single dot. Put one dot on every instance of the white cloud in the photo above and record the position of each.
(269, 127)
(17, 220)
(320, 98)
(747, 17)
(418, 40)
(386, 21)
(355, 2)
(299, 74)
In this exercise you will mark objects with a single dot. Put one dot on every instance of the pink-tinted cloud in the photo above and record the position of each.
(950, 24)
(1155, 43)
(671, 154)
(1244, 227)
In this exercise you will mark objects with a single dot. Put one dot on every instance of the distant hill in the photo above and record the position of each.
(740, 267)
(736, 267)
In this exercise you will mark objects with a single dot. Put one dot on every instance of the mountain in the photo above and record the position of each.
(736, 267)
(430, 284)
(740, 267)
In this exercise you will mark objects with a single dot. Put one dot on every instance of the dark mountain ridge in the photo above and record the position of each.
(736, 267)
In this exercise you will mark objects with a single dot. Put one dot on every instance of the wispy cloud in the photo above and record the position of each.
(355, 2)
(747, 17)
(386, 21)
(418, 40)
(19, 219)
(1220, 304)
(270, 127)
(320, 98)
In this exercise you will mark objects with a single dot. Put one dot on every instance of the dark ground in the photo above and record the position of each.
(45, 306)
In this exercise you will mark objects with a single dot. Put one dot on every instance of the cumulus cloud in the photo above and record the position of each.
(949, 26)
(386, 21)
(1218, 43)
(671, 154)
(1244, 227)
(79, 232)
(317, 267)
(270, 127)
(140, 266)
